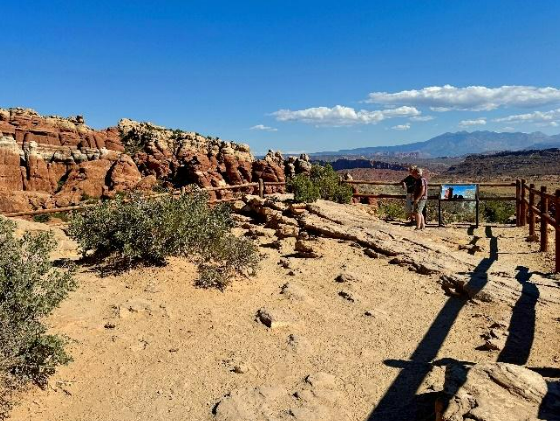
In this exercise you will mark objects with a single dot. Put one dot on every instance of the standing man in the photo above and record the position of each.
(420, 198)
(408, 183)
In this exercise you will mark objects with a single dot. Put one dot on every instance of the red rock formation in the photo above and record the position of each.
(10, 172)
(54, 161)
(123, 175)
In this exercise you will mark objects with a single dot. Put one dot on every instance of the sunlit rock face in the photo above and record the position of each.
(51, 161)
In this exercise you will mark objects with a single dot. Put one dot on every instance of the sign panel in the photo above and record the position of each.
(458, 192)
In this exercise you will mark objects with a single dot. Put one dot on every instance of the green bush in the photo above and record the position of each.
(497, 212)
(44, 217)
(392, 209)
(136, 230)
(323, 182)
(63, 216)
(304, 189)
(30, 288)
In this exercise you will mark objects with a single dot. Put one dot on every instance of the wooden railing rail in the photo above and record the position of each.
(387, 183)
(528, 211)
(260, 186)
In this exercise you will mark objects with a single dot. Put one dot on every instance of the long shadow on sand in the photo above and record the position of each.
(522, 324)
(401, 402)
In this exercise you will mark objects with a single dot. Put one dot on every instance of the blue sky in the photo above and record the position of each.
(272, 73)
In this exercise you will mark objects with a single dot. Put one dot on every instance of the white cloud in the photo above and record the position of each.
(469, 123)
(343, 116)
(476, 98)
(262, 127)
(401, 126)
(546, 117)
(508, 129)
(422, 118)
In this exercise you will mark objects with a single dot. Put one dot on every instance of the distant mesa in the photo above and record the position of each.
(348, 164)
(508, 164)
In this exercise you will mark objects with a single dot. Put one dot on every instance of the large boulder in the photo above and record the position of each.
(86, 180)
(492, 392)
(124, 174)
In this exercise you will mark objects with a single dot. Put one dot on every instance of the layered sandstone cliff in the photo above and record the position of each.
(52, 161)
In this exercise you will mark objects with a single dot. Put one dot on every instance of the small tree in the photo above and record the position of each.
(304, 189)
(323, 182)
(30, 288)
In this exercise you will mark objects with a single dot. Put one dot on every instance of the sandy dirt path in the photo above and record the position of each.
(148, 345)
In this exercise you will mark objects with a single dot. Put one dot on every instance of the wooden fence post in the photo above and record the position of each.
(523, 204)
(531, 213)
(557, 229)
(477, 207)
(261, 187)
(544, 224)
(518, 202)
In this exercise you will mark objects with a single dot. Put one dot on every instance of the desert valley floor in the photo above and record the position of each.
(148, 345)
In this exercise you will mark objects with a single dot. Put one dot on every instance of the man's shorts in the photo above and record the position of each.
(408, 206)
(419, 207)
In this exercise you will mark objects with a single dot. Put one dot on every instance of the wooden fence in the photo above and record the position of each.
(260, 186)
(477, 199)
(547, 210)
(527, 210)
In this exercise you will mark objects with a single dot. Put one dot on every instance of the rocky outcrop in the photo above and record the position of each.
(39, 154)
(460, 273)
(52, 161)
(494, 392)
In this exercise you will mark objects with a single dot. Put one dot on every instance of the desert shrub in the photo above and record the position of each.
(45, 217)
(304, 189)
(63, 216)
(139, 230)
(323, 182)
(230, 256)
(392, 209)
(135, 140)
(30, 288)
(498, 212)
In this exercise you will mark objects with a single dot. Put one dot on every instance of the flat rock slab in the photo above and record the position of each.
(493, 392)
(319, 397)
(461, 273)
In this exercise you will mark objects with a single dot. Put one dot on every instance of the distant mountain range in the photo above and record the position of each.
(455, 144)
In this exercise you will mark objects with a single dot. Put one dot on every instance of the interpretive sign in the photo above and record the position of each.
(458, 193)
